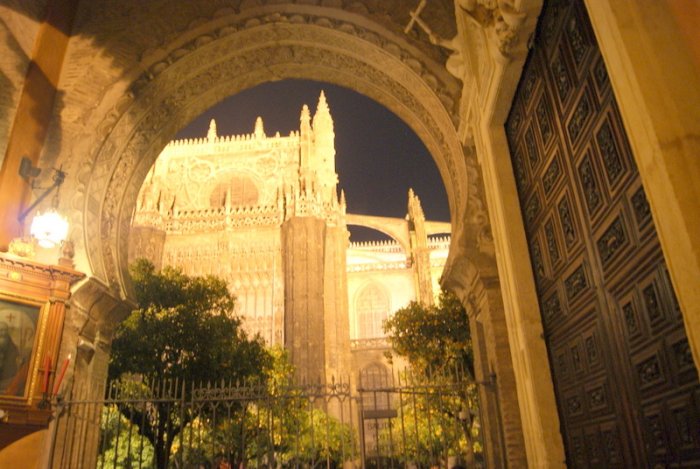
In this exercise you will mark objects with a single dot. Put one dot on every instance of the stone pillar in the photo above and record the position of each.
(33, 114)
(337, 323)
(493, 367)
(502, 388)
(93, 316)
(303, 248)
(492, 433)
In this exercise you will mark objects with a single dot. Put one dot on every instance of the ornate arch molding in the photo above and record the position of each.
(175, 90)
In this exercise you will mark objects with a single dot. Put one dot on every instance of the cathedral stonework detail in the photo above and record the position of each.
(264, 214)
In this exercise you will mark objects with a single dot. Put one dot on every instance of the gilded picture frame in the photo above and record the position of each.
(20, 332)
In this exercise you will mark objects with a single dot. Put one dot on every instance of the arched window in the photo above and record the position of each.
(374, 376)
(371, 310)
(374, 381)
(243, 190)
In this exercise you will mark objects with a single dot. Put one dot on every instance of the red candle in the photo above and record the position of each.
(47, 371)
(57, 384)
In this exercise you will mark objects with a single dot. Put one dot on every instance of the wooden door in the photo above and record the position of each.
(625, 382)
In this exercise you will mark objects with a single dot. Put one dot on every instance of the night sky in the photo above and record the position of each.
(378, 157)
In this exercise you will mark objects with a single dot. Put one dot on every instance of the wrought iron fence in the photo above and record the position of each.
(421, 421)
(137, 424)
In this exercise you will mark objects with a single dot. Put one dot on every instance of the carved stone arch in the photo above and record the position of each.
(158, 103)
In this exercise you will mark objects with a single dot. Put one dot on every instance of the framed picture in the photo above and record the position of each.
(19, 324)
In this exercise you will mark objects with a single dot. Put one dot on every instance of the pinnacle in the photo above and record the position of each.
(305, 114)
(259, 129)
(211, 134)
(322, 104)
(322, 118)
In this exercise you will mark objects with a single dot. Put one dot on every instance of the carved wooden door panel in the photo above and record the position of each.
(625, 382)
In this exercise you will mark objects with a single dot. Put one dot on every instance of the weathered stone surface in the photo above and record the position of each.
(262, 212)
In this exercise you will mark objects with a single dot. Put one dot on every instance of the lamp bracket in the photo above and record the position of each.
(28, 171)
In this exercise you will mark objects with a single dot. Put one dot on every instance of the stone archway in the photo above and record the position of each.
(85, 62)
(138, 117)
(133, 77)
(220, 63)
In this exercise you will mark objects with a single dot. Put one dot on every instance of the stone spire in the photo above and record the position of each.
(415, 210)
(323, 122)
(343, 203)
(324, 146)
(420, 253)
(259, 130)
(211, 135)
(305, 120)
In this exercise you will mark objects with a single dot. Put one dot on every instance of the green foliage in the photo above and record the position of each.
(432, 338)
(268, 421)
(436, 341)
(277, 423)
(184, 328)
(183, 331)
(302, 433)
(120, 443)
(436, 422)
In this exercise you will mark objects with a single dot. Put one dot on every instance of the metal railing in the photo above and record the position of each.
(141, 424)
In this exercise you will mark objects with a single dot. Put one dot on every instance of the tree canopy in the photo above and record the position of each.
(184, 328)
(184, 331)
(432, 337)
(437, 344)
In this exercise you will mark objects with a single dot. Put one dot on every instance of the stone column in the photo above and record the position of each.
(303, 248)
(93, 316)
(33, 114)
(337, 323)
(492, 431)
(479, 291)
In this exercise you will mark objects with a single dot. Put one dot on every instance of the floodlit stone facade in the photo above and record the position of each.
(263, 213)
(99, 87)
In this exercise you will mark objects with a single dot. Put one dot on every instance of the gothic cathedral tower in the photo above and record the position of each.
(314, 243)
(264, 214)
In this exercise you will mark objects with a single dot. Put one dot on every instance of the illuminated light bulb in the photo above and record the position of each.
(49, 228)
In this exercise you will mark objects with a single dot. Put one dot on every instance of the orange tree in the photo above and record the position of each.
(184, 330)
(436, 342)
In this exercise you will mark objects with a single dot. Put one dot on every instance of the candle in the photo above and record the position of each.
(47, 371)
(64, 367)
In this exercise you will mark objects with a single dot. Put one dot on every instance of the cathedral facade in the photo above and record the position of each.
(544, 120)
(264, 214)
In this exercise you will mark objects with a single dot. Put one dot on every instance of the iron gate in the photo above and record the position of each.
(225, 425)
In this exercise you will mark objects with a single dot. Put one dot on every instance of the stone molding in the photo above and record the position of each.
(379, 343)
(153, 108)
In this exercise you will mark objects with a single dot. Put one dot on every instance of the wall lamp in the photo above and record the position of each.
(49, 228)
